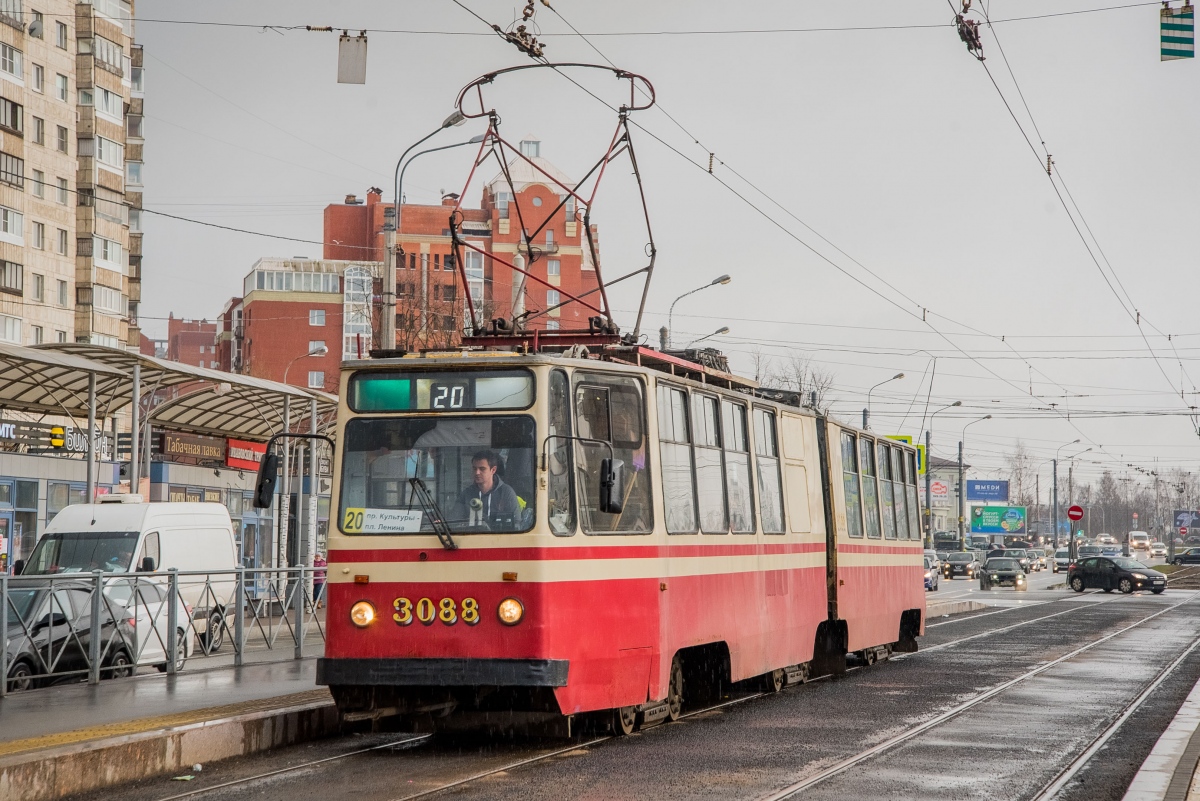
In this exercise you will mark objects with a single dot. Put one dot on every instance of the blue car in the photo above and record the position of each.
(931, 575)
(1110, 550)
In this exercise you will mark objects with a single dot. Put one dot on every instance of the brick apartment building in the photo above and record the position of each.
(192, 342)
(290, 308)
(430, 309)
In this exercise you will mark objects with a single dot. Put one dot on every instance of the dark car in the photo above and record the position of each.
(931, 574)
(49, 635)
(1028, 565)
(1114, 573)
(960, 563)
(1189, 557)
(1003, 571)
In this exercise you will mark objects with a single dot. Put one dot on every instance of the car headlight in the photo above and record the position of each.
(510, 611)
(996, 576)
(1139, 575)
(362, 614)
(928, 574)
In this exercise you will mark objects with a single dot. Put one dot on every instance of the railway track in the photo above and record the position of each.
(1061, 780)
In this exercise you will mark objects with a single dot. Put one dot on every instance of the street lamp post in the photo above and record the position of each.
(723, 279)
(719, 332)
(962, 484)
(929, 475)
(474, 140)
(387, 326)
(867, 409)
(1054, 501)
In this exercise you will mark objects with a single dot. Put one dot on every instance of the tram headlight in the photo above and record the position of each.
(362, 614)
(510, 611)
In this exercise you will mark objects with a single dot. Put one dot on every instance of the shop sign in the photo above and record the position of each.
(177, 494)
(75, 441)
(244, 455)
(193, 447)
(212, 496)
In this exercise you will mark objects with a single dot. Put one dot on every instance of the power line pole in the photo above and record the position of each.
(928, 490)
(962, 497)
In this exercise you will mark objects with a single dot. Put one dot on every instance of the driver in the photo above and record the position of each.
(488, 498)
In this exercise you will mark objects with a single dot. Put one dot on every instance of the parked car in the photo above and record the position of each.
(145, 603)
(1003, 571)
(1189, 557)
(935, 559)
(1158, 549)
(960, 563)
(50, 634)
(1116, 573)
(931, 575)
(1062, 559)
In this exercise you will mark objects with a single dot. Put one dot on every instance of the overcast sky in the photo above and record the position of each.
(892, 144)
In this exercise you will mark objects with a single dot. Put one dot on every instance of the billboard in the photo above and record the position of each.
(939, 492)
(1186, 519)
(987, 491)
(998, 520)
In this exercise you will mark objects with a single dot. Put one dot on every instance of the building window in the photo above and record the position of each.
(109, 103)
(38, 77)
(61, 144)
(12, 278)
(552, 298)
(60, 336)
(41, 24)
(12, 61)
(10, 329)
(12, 117)
(549, 236)
(39, 183)
(38, 334)
(316, 379)
(106, 250)
(135, 221)
(12, 170)
(137, 79)
(552, 325)
(39, 238)
(62, 297)
(39, 131)
(61, 244)
(135, 126)
(316, 317)
(61, 87)
(108, 53)
(553, 267)
(60, 35)
(39, 287)
(62, 191)
(133, 173)
(315, 345)
(12, 226)
(107, 299)
(110, 154)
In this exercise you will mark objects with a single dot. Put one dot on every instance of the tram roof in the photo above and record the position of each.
(53, 379)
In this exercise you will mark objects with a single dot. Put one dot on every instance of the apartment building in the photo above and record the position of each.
(70, 172)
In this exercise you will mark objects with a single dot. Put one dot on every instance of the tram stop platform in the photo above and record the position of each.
(72, 738)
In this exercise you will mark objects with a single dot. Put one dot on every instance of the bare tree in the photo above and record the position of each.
(1020, 476)
(796, 374)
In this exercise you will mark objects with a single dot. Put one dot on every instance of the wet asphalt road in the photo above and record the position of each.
(1008, 746)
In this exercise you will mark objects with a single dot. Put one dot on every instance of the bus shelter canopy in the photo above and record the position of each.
(176, 395)
(55, 382)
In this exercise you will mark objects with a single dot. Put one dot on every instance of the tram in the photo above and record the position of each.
(528, 537)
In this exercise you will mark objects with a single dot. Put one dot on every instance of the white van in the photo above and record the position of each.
(1139, 541)
(121, 534)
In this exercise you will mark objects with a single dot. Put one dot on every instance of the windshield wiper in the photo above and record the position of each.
(436, 519)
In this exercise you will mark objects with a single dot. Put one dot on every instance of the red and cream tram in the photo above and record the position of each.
(536, 537)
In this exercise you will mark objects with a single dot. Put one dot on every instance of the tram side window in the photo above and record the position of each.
(679, 493)
(854, 523)
(766, 453)
(611, 409)
(737, 469)
(561, 497)
(898, 484)
(914, 509)
(886, 495)
(710, 482)
(870, 494)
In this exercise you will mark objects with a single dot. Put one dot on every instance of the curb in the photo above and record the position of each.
(933, 610)
(57, 771)
(1166, 775)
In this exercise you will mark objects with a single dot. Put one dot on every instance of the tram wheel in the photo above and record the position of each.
(869, 656)
(625, 720)
(675, 692)
(775, 681)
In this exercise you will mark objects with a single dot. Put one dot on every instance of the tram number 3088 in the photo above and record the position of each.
(426, 611)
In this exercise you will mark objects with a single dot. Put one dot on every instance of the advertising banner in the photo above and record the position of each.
(939, 492)
(190, 446)
(1186, 519)
(987, 491)
(244, 455)
(998, 520)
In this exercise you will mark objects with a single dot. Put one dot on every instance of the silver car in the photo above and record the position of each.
(1062, 559)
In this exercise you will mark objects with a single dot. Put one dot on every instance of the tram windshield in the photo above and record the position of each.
(479, 472)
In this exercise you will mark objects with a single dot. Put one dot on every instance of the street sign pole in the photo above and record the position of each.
(1074, 514)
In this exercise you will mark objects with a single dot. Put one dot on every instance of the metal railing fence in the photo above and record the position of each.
(89, 626)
